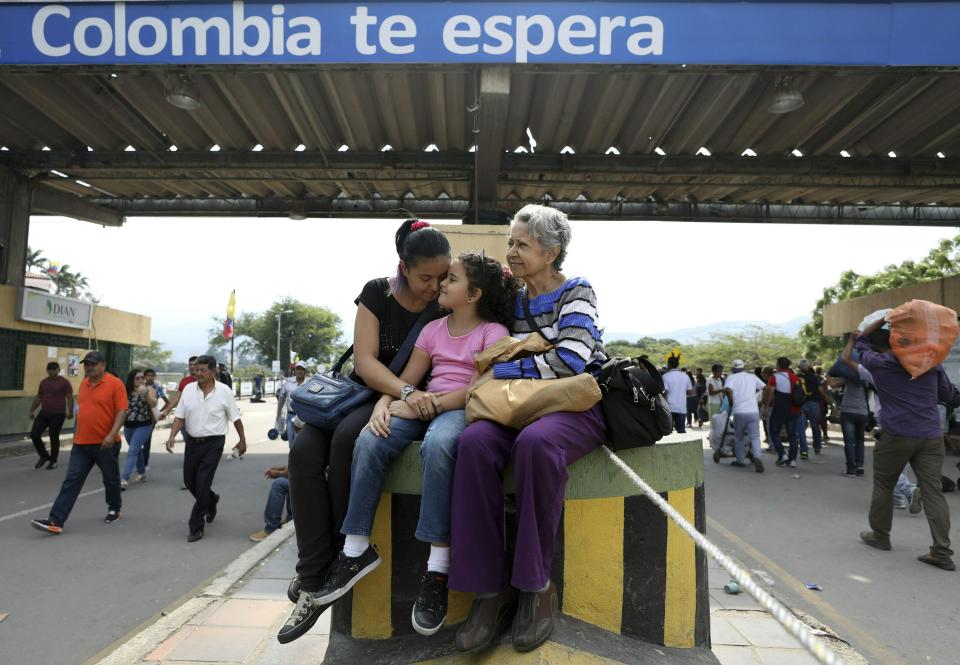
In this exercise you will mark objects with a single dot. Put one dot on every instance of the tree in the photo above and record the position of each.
(36, 259)
(153, 356)
(755, 345)
(311, 331)
(942, 261)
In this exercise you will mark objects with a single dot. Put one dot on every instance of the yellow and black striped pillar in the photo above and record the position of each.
(621, 566)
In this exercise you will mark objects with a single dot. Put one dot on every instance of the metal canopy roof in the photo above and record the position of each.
(106, 135)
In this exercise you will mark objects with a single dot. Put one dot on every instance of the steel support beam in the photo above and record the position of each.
(92, 163)
(14, 226)
(644, 211)
(491, 125)
(49, 201)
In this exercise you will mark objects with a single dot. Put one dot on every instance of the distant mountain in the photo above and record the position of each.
(700, 333)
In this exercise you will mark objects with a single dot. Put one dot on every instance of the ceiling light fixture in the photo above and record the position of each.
(786, 97)
(297, 212)
(181, 93)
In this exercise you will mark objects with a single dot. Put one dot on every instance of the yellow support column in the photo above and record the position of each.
(680, 603)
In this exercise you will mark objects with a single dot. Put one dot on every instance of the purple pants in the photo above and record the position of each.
(540, 453)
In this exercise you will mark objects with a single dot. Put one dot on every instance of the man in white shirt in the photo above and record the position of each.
(742, 388)
(678, 386)
(204, 413)
(290, 384)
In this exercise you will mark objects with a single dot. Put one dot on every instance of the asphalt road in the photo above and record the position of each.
(71, 596)
(887, 605)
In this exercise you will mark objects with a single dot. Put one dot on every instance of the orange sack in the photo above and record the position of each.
(921, 334)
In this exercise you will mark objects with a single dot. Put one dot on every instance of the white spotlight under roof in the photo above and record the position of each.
(181, 93)
(786, 97)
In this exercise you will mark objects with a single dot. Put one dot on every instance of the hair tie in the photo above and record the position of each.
(419, 224)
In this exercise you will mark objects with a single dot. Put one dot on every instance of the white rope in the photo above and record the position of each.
(786, 618)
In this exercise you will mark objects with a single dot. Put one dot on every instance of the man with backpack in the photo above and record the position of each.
(784, 396)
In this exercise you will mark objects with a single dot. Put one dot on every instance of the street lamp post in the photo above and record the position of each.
(279, 319)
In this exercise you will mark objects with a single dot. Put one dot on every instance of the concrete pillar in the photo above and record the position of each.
(14, 226)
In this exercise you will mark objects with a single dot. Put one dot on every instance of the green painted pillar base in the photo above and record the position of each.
(573, 643)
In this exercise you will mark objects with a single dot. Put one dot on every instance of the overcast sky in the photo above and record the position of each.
(650, 277)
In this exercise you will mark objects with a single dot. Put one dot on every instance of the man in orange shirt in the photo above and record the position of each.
(102, 402)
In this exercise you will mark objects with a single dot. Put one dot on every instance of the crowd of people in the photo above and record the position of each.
(416, 336)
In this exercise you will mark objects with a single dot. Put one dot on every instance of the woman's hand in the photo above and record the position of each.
(403, 410)
(380, 419)
(426, 406)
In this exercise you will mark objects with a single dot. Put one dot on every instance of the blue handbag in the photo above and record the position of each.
(325, 399)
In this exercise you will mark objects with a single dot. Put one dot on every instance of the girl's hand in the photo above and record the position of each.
(426, 406)
(403, 410)
(380, 419)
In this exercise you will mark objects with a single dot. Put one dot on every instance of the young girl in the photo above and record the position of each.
(479, 294)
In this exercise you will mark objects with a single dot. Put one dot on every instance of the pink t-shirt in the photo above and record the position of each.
(451, 357)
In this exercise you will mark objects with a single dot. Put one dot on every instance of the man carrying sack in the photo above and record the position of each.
(911, 433)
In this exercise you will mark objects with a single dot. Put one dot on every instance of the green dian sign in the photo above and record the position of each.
(41, 307)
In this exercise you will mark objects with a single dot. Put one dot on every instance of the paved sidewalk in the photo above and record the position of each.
(238, 622)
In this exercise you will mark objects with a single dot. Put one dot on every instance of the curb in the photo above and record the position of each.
(134, 649)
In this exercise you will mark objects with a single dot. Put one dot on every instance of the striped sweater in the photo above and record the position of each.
(568, 316)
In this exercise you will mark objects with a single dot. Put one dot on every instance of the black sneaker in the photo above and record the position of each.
(737, 462)
(716, 456)
(804, 456)
(112, 516)
(859, 470)
(43, 460)
(212, 510)
(293, 590)
(782, 461)
(304, 615)
(758, 464)
(430, 608)
(345, 572)
(52, 465)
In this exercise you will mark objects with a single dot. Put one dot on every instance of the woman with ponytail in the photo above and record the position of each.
(320, 460)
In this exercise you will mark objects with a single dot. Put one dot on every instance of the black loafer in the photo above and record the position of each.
(534, 622)
(195, 536)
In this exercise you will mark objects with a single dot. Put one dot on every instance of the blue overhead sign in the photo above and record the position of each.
(707, 33)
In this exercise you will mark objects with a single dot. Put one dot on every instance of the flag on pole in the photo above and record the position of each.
(231, 311)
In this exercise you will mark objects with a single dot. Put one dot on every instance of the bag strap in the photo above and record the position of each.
(406, 349)
(403, 355)
(530, 320)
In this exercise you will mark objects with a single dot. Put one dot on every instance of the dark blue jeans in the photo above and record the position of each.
(778, 419)
(83, 457)
(278, 498)
(853, 426)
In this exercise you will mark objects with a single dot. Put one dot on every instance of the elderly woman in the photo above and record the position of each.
(565, 310)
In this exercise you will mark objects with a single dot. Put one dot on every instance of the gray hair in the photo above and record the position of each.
(548, 226)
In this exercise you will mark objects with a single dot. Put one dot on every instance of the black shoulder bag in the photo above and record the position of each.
(325, 399)
(633, 403)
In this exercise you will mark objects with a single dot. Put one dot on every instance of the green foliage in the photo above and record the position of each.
(942, 261)
(755, 345)
(309, 330)
(153, 356)
(68, 283)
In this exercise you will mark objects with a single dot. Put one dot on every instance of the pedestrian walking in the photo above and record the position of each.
(184, 382)
(678, 386)
(150, 380)
(742, 389)
(204, 413)
(291, 383)
(102, 399)
(138, 425)
(783, 412)
(55, 401)
(714, 390)
(912, 433)
(223, 376)
(810, 411)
